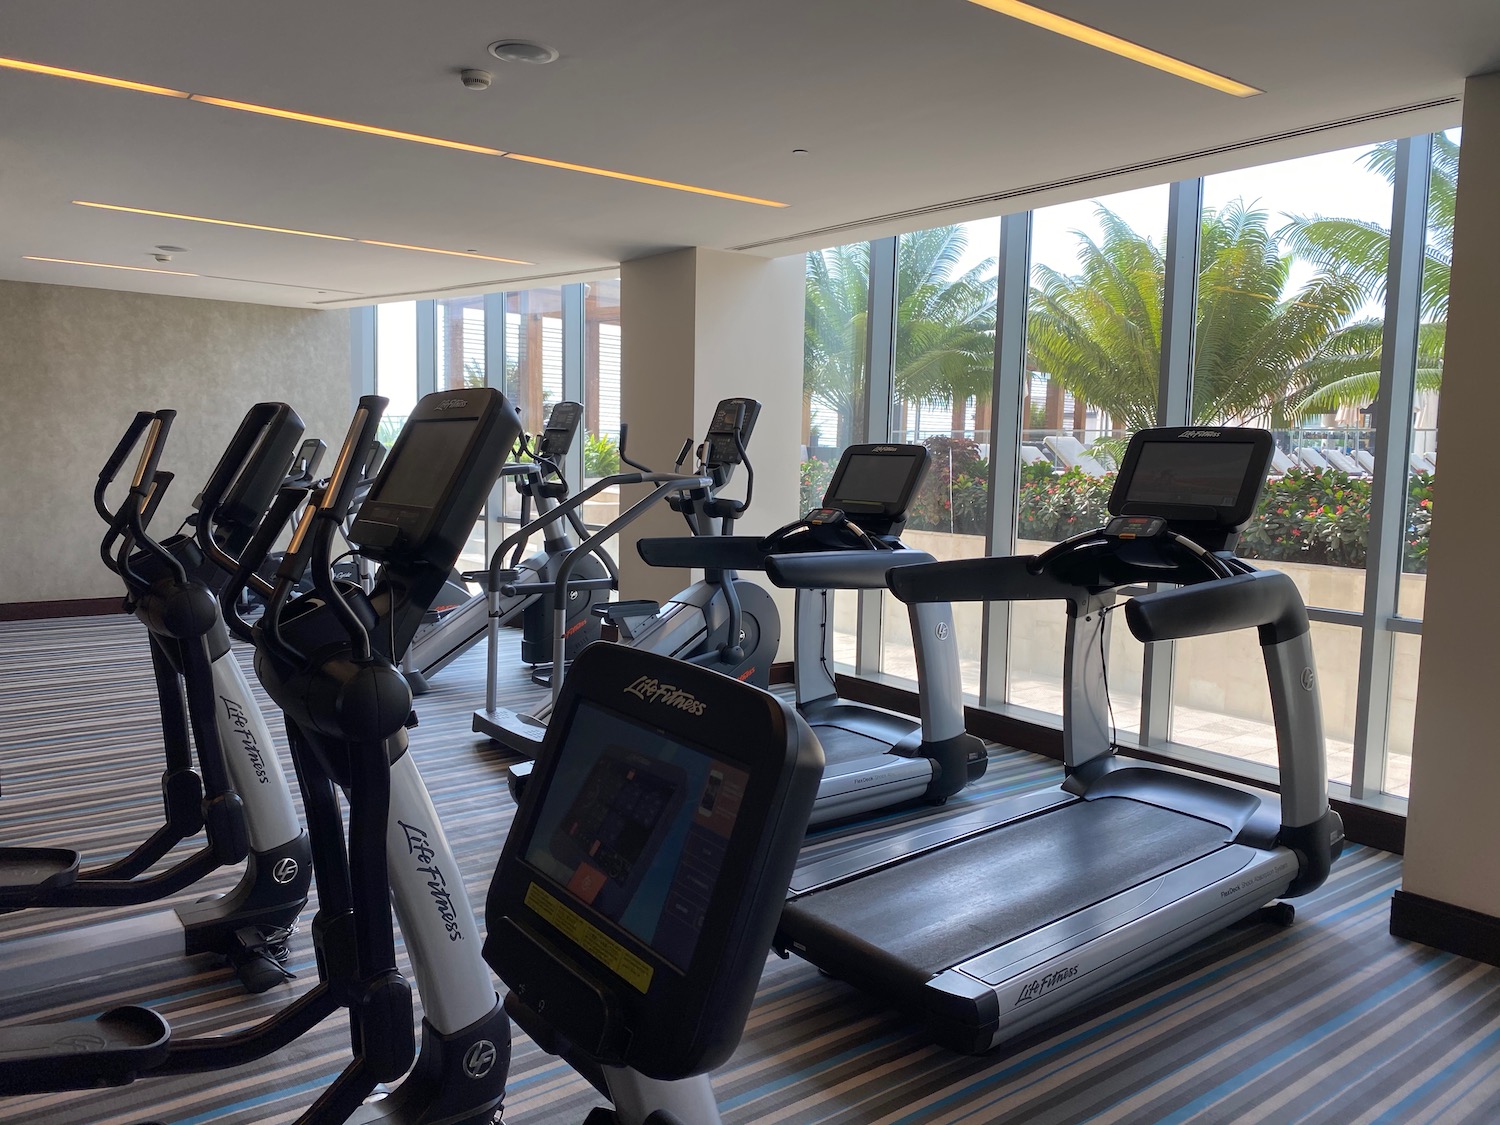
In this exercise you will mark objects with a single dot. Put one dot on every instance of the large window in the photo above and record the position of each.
(537, 345)
(1259, 297)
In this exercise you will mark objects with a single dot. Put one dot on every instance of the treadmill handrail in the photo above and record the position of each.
(841, 570)
(709, 552)
(1267, 600)
(1004, 578)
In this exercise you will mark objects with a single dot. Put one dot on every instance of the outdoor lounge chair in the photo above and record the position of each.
(1343, 462)
(1281, 461)
(1366, 461)
(1070, 452)
(1312, 458)
(1031, 455)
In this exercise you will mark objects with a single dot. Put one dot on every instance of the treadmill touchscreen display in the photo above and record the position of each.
(1201, 474)
(872, 479)
(635, 826)
(430, 452)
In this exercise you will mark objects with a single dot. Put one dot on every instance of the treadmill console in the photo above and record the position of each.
(1204, 481)
(562, 427)
(874, 484)
(635, 899)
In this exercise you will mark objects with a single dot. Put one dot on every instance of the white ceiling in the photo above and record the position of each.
(911, 113)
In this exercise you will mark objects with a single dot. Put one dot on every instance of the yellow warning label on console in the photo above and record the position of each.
(603, 948)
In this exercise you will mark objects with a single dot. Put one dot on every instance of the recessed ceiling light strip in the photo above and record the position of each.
(299, 233)
(373, 130)
(351, 126)
(215, 222)
(640, 179)
(103, 265)
(1083, 33)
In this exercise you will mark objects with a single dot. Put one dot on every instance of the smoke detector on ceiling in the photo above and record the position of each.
(522, 50)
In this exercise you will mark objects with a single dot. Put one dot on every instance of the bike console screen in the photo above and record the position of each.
(635, 827)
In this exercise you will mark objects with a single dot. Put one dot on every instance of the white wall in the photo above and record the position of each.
(1453, 834)
(75, 366)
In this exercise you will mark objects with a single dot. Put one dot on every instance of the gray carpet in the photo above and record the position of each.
(1331, 1020)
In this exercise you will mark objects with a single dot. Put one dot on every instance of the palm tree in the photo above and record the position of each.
(1257, 351)
(945, 325)
(1363, 249)
(833, 336)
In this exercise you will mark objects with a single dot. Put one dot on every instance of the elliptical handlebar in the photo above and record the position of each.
(312, 540)
(111, 468)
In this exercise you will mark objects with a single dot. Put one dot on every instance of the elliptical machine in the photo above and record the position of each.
(241, 799)
(538, 481)
(721, 622)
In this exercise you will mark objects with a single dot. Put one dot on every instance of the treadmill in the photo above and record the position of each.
(876, 758)
(1011, 916)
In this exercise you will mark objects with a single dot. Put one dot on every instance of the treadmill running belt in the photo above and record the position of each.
(932, 912)
(841, 744)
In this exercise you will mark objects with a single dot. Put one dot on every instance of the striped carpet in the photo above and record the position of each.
(1331, 1020)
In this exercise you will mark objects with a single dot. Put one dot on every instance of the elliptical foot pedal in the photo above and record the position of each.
(27, 874)
(109, 1050)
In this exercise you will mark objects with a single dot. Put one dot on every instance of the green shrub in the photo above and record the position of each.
(601, 456)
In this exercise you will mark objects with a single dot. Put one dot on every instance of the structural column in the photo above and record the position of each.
(697, 326)
(1450, 896)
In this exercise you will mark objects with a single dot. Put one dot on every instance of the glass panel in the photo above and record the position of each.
(1406, 654)
(396, 364)
(459, 340)
(1093, 361)
(1422, 463)
(835, 376)
(944, 367)
(601, 389)
(835, 389)
(1291, 310)
(532, 379)
(460, 343)
(1220, 700)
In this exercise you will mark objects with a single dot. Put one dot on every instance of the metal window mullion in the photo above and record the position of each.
(1179, 317)
(1392, 419)
(426, 313)
(880, 357)
(1012, 290)
(574, 340)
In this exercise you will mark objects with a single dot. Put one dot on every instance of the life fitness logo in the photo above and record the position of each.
(452, 404)
(285, 870)
(1201, 433)
(479, 1059)
(652, 690)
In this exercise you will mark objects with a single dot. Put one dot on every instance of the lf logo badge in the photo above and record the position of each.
(479, 1060)
(942, 630)
(285, 870)
(1307, 679)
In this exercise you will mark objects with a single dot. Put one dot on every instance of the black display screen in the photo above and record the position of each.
(869, 478)
(635, 827)
(430, 453)
(1196, 474)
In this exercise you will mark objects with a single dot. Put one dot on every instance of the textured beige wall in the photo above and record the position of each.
(76, 364)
